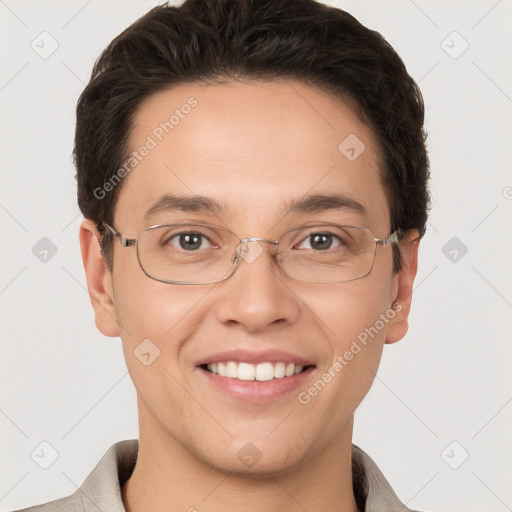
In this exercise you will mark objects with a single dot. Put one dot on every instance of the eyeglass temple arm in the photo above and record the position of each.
(396, 236)
(123, 240)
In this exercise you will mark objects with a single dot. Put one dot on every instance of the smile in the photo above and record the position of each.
(261, 372)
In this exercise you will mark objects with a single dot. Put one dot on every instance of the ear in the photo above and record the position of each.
(397, 328)
(99, 280)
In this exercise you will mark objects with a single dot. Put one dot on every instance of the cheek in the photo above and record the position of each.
(359, 340)
(157, 320)
(154, 316)
(146, 310)
(357, 318)
(145, 307)
(351, 309)
(352, 356)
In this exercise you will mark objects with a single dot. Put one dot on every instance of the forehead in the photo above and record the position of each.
(255, 147)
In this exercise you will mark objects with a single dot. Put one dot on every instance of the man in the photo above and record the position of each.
(253, 177)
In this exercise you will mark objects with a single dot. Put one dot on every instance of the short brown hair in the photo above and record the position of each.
(202, 40)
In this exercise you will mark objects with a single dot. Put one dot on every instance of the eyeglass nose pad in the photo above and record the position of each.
(236, 256)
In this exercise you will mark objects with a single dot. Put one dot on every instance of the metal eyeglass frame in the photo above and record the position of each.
(125, 241)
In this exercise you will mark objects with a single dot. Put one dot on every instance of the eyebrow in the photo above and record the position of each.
(315, 203)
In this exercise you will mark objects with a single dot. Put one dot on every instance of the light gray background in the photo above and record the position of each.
(448, 380)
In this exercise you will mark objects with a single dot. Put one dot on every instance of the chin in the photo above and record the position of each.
(259, 459)
(264, 468)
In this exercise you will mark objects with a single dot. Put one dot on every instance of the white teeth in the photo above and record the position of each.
(232, 370)
(260, 372)
(246, 371)
(290, 368)
(264, 371)
(279, 370)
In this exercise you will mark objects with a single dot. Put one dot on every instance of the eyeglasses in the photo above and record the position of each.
(188, 253)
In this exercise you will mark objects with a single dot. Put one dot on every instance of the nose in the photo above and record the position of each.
(250, 252)
(257, 296)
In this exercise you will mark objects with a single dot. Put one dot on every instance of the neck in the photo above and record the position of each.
(168, 477)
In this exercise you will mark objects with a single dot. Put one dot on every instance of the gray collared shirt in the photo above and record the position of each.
(101, 490)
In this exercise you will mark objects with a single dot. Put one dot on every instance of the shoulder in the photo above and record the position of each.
(67, 504)
(102, 488)
(374, 491)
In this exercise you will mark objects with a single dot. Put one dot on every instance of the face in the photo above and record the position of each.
(254, 147)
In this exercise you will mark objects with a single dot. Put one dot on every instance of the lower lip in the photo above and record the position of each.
(253, 390)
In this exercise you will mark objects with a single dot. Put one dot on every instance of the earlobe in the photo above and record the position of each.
(398, 326)
(99, 280)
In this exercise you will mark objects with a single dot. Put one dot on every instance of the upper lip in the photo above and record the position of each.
(254, 357)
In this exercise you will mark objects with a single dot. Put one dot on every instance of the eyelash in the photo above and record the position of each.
(176, 235)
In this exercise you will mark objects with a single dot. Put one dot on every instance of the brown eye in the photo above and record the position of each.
(187, 241)
(321, 241)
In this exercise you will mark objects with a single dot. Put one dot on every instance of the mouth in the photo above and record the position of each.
(254, 376)
(261, 372)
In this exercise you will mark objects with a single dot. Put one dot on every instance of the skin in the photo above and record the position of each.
(244, 142)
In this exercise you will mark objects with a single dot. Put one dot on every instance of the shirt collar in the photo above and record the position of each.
(102, 488)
